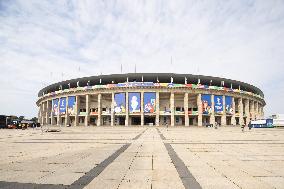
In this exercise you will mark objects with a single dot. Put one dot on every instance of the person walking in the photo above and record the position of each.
(243, 127)
(216, 125)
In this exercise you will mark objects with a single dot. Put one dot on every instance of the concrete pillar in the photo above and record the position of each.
(241, 111)
(247, 112)
(40, 113)
(112, 110)
(252, 110)
(199, 104)
(224, 115)
(99, 121)
(233, 119)
(212, 116)
(186, 119)
(255, 110)
(58, 113)
(51, 114)
(77, 103)
(157, 108)
(87, 117)
(46, 113)
(43, 112)
(126, 110)
(172, 103)
(67, 118)
(142, 108)
(258, 111)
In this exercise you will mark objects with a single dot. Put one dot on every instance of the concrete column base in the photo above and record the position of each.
(99, 120)
(67, 120)
(212, 119)
(233, 120)
(87, 119)
(142, 119)
(199, 120)
(241, 120)
(76, 120)
(223, 120)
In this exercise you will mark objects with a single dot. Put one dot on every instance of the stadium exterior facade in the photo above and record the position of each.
(149, 99)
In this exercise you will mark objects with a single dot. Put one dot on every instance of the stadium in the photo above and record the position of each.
(158, 99)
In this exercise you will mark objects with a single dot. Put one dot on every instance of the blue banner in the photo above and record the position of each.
(55, 106)
(218, 104)
(71, 105)
(149, 102)
(229, 105)
(119, 103)
(134, 102)
(206, 104)
(62, 106)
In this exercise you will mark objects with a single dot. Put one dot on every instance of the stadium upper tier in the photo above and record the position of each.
(197, 81)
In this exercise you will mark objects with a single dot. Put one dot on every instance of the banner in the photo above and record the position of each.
(134, 102)
(206, 104)
(62, 106)
(218, 104)
(119, 103)
(229, 105)
(149, 102)
(55, 106)
(71, 105)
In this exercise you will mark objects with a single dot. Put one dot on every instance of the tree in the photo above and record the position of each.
(21, 118)
(34, 119)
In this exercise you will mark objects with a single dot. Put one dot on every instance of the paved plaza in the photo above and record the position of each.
(142, 157)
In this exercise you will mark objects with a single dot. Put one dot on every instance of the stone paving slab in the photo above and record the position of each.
(89, 157)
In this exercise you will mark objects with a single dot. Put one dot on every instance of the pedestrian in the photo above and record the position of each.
(216, 125)
(249, 125)
(243, 127)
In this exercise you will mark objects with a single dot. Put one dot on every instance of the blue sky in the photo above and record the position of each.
(42, 42)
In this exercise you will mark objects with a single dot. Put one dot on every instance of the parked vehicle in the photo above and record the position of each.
(13, 124)
(262, 123)
(3, 121)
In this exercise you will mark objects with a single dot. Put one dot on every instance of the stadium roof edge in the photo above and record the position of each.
(151, 77)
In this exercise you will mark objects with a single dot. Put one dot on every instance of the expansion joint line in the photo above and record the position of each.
(186, 177)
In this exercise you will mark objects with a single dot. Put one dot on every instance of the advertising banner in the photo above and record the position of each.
(206, 104)
(55, 106)
(218, 104)
(62, 106)
(71, 105)
(149, 102)
(229, 105)
(134, 102)
(119, 103)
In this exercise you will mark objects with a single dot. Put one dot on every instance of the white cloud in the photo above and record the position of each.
(40, 40)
